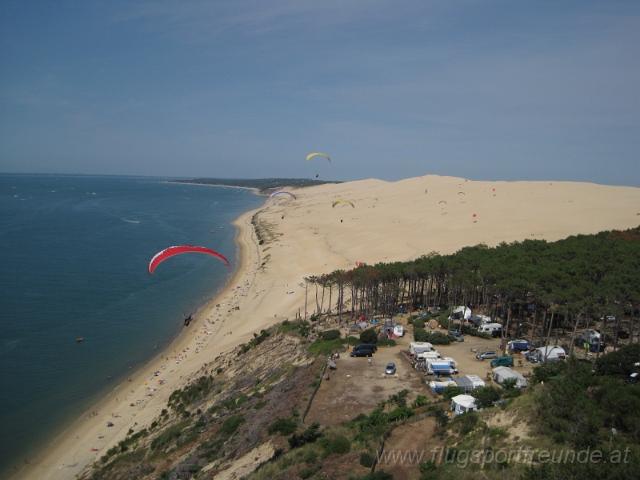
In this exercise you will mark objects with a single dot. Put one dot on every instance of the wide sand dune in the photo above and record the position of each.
(404, 219)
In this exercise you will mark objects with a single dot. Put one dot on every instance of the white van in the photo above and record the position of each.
(491, 328)
(428, 356)
(419, 347)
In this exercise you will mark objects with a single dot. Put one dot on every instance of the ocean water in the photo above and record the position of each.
(74, 253)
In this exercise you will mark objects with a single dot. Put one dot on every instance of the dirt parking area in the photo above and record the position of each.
(356, 386)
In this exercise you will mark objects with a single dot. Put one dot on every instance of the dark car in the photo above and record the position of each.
(362, 351)
(505, 361)
(373, 346)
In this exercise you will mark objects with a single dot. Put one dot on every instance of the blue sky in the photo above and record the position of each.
(476, 88)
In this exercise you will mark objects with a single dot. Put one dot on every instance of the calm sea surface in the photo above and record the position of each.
(74, 253)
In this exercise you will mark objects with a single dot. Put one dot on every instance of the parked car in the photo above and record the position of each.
(390, 369)
(456, 335)
(373, 346)
(506, 361)
(489, 354)
(362, 351)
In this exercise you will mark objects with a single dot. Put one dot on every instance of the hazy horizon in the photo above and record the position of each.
(491, 90)
(327, 180)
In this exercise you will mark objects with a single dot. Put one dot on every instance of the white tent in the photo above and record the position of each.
(502, 374)
(438, 386)
(550, 353)
(462, 404)
(590, 335)
(469, 382)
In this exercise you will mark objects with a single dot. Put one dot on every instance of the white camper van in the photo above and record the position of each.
(427, 356)
(419, 347)
(490, 328)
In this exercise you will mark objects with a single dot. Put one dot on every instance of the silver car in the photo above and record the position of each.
(486, 355)
(390, 369)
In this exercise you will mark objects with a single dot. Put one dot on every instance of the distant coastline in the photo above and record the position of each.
(259, 185)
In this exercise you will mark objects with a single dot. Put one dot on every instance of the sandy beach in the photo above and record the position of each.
(388, 221)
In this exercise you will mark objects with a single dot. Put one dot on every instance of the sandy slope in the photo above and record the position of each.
(391, 221)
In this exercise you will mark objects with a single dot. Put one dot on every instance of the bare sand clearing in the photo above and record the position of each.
(307, 236)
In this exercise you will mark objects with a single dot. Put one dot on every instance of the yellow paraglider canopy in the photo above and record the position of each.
(341, 201)
(313, 155)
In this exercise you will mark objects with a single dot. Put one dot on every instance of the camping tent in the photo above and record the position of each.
(469, 382)
(438, 386)
(590, 336)
(549, 354)
(502, 374)
(463, 403)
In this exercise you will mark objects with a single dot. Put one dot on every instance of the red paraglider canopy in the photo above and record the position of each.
(169, 252)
